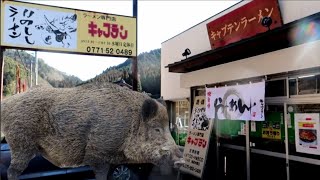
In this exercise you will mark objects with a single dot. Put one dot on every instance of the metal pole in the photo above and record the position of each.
(286, 115)
(2, 70)
(248, 149)
(30, 73)
(36, 67)
(135, 59)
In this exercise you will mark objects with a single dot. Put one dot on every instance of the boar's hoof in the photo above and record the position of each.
(178, 164)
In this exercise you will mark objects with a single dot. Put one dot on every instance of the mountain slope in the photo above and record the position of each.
(148, 71)
(47, 75)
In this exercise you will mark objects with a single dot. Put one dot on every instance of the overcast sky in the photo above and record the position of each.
(157, 22)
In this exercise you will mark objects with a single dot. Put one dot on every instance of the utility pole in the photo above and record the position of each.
(36, 67)
(134, 65)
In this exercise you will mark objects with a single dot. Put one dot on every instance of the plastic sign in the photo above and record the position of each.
(244, 22)
(40, 27)
(197, 142)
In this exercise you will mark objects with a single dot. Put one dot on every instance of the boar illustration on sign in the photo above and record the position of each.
(92, 124)
(59, 30)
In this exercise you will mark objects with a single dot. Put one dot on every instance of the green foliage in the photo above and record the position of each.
(148, 69)
(9, 76)
(46, 73)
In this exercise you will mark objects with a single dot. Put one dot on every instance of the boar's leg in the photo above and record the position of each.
(19, 162)
(101, 172)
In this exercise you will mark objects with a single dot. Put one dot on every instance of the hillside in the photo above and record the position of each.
(47, 75)
(148, 72)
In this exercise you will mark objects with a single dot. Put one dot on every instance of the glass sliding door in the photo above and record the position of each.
(267, 145)
(304, 143)
(232, 149)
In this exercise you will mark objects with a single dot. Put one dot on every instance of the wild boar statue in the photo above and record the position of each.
(94, 125)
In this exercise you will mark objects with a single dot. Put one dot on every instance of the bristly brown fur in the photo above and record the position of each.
(94, 124)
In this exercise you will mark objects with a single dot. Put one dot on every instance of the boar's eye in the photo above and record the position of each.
(158, 130)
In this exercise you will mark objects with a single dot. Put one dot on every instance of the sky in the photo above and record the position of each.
(158, 21)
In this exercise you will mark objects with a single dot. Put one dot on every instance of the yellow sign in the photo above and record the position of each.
(33, 26)
(271, 130)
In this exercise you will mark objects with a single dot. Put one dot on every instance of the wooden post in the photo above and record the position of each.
(2, 70)
(134, 65)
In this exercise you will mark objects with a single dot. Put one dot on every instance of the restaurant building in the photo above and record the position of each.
(276, 42)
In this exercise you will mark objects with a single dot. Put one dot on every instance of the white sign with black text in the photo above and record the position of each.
(240, 102)
(198, 138)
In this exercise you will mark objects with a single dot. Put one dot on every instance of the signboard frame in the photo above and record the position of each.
(60, 50)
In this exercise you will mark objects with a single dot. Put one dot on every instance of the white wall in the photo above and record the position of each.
(289, 59)
(197, 40)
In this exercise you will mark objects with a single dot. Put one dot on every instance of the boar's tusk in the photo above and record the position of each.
(178, 164)
(165, 148)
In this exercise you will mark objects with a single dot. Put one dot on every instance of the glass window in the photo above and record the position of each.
(181, 121)
(293, 86)
(307, 85)
(303, 159)
(276, 88)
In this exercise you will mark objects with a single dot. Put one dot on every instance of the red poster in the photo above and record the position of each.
(243, 22)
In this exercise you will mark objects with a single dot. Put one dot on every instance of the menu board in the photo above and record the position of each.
(198, 138)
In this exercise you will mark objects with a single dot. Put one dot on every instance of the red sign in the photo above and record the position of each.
(244, 22)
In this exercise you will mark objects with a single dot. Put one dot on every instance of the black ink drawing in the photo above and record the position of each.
(58, 29)
(200, 120)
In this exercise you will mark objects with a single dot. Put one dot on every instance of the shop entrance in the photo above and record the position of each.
(286, 146)
(254, 152)
(267, 145)
(303, 139)
(272, 145)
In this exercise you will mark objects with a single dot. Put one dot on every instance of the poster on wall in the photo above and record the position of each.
(307, 133)
(240, 102)
(41, 27)
(271, 130)
(197, 142)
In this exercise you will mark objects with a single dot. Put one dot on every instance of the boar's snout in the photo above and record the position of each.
(174, 158)
(177, 159)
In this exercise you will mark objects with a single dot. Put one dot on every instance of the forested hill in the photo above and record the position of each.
(47, 75)
(148, 72)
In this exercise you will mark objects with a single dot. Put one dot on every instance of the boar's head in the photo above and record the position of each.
(151, 140)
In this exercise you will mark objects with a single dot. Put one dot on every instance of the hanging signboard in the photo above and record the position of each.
(197, 142)
(241, 102)
(244, 22)
(307, 133)
(40, 27)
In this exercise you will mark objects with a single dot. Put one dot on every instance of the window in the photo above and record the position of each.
(181, 121)
(304, 85)
(276, 88)
(307, 85)
(293, 87)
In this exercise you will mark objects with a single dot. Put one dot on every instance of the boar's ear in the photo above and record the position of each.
(149, 109)
(161, 100)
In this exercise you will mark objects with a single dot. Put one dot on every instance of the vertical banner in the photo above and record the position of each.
(307, 133)
(197, 143)
(241, 102)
